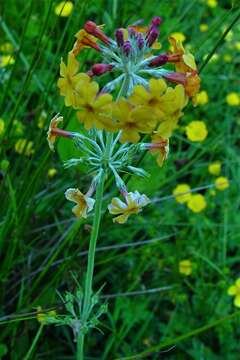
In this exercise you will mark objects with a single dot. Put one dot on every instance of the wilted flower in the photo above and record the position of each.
(133, 205)
(84, 202)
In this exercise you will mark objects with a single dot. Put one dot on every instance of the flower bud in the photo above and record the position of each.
(140, 41)
(156, 21)
(100, 69)
(119, 37)
(159, 60)
(152, 36)
(127, 47)
(94, 30)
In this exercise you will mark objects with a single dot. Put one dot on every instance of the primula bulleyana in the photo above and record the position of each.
(160, 146)
(184, 61)
(182, 193)
(196, 203)
(84, 202)
(84, 40)
(71, 80)
(133, 205)
(221, 183)
(132, 120)
(51, 137)
(234, 290)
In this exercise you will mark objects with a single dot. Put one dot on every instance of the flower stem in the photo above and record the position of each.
(34, 343)
(90, 265)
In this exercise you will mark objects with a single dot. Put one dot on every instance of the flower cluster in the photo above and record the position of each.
(146, 105)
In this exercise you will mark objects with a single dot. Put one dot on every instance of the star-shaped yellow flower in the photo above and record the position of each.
(84, 202)
(134, 204)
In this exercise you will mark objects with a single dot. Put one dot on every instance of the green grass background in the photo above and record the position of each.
(41, 243)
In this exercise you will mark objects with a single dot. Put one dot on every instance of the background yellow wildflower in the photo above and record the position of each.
(197, 203)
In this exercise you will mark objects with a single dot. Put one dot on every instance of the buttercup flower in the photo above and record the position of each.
(132, 120)
(51, 136)
(215, 168)
(233, 99)
(23, 146)
(234, 290)
(84, 202)
(197, 203)
(185, 267)
(64, 8)
(201, 98)
(182, 193)
(196, 131)
(2, 126)
(134, 204)
(221, 183)
(71, 80)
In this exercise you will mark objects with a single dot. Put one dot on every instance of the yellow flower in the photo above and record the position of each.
(42, 317)
(6, 60)
(132, 120)
(215, 168)
(227, 58)
(234, 290)
(23, 146)
(201, 98)
(2, 126)
(94, 109)
(134, 204)
(84, 40)
(51, 138)
(184, 61)
(197, 203)
(203, 27)
(7, 47)
(182, 193)
(212, 3)
(161, 146)
(84, 202)
(196, 131)
(70, 80)
(233, 99)
(52, 172)
(185, 267)
(221, 183)
(178, 36)
(64, 8)
(237, 45)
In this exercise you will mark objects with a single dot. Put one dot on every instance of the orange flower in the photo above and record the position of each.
(84, 40)
(184, 61)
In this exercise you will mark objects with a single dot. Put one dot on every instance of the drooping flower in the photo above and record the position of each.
(196, 131)
(185, 267)
(84, 40)
(64, 8)
(215, 168)
(182, 193)
(234, 290)
(233, 99)
(133, 205)
(160, 146)
(84, 203)
(93, 109)
(132, 120)
(221, 183)
(71, 80)
(51, 136)
(190, 81)
(184, 61)
(197, 203)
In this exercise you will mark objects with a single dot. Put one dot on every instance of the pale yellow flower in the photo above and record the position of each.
(221, 183)
(201, 98)
(182, 193)
(197, 203)
(185, 267)
(234, 290)
(23, 146)
(233, 99)
(215, 168)
(51, 137)
(84, 202)
(64, 8)
(134, 204)
(196, 130)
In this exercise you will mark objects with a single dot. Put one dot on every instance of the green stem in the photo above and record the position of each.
(34, 343)
(90, 265)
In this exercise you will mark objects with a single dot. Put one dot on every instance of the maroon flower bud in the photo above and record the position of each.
(127, 47)
(132, 32)
(152, 37)
(156, 21)
(100, 69)
(119, 37)
(94, 30)
(159, 60)
(140, 41)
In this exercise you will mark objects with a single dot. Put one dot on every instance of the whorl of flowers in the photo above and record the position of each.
(146, 105)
